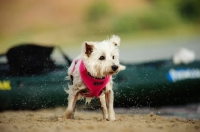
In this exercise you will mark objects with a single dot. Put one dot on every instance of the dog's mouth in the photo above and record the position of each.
(113, 72)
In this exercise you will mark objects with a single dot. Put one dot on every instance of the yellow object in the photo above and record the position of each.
(5, 85)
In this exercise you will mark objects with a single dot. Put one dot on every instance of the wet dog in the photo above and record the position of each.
(91, 75)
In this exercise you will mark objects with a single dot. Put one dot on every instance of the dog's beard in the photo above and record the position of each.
(100, 71)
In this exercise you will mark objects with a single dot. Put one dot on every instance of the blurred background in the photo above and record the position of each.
(145, 26)
(149, 30)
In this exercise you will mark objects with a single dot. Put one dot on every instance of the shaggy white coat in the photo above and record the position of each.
(90, 54)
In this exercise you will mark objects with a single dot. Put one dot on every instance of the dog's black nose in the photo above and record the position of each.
(114, 67)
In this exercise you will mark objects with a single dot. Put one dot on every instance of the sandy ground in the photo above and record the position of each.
(46, 120)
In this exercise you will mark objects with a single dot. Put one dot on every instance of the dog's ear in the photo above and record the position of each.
(115, 40)
(88, 48)
(122, 67)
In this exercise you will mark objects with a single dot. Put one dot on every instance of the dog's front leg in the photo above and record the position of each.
(72, 98)
(103, 106)
(110, 101)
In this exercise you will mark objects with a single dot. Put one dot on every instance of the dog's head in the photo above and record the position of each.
(102, 58)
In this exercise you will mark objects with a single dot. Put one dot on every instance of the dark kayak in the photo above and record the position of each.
(158, 83)
(42, 84)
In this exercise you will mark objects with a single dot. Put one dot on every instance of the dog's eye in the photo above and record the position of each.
(102, 58)
(113, 57)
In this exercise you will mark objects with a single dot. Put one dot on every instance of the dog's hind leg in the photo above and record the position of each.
(72, 98)
(103, 106)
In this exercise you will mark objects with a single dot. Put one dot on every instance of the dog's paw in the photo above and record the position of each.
(112, 118)
(66, 115)
(61, 118)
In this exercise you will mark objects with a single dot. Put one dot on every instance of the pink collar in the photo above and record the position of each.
(95, 85)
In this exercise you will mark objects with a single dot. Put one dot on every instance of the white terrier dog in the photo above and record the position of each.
(91, 75)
